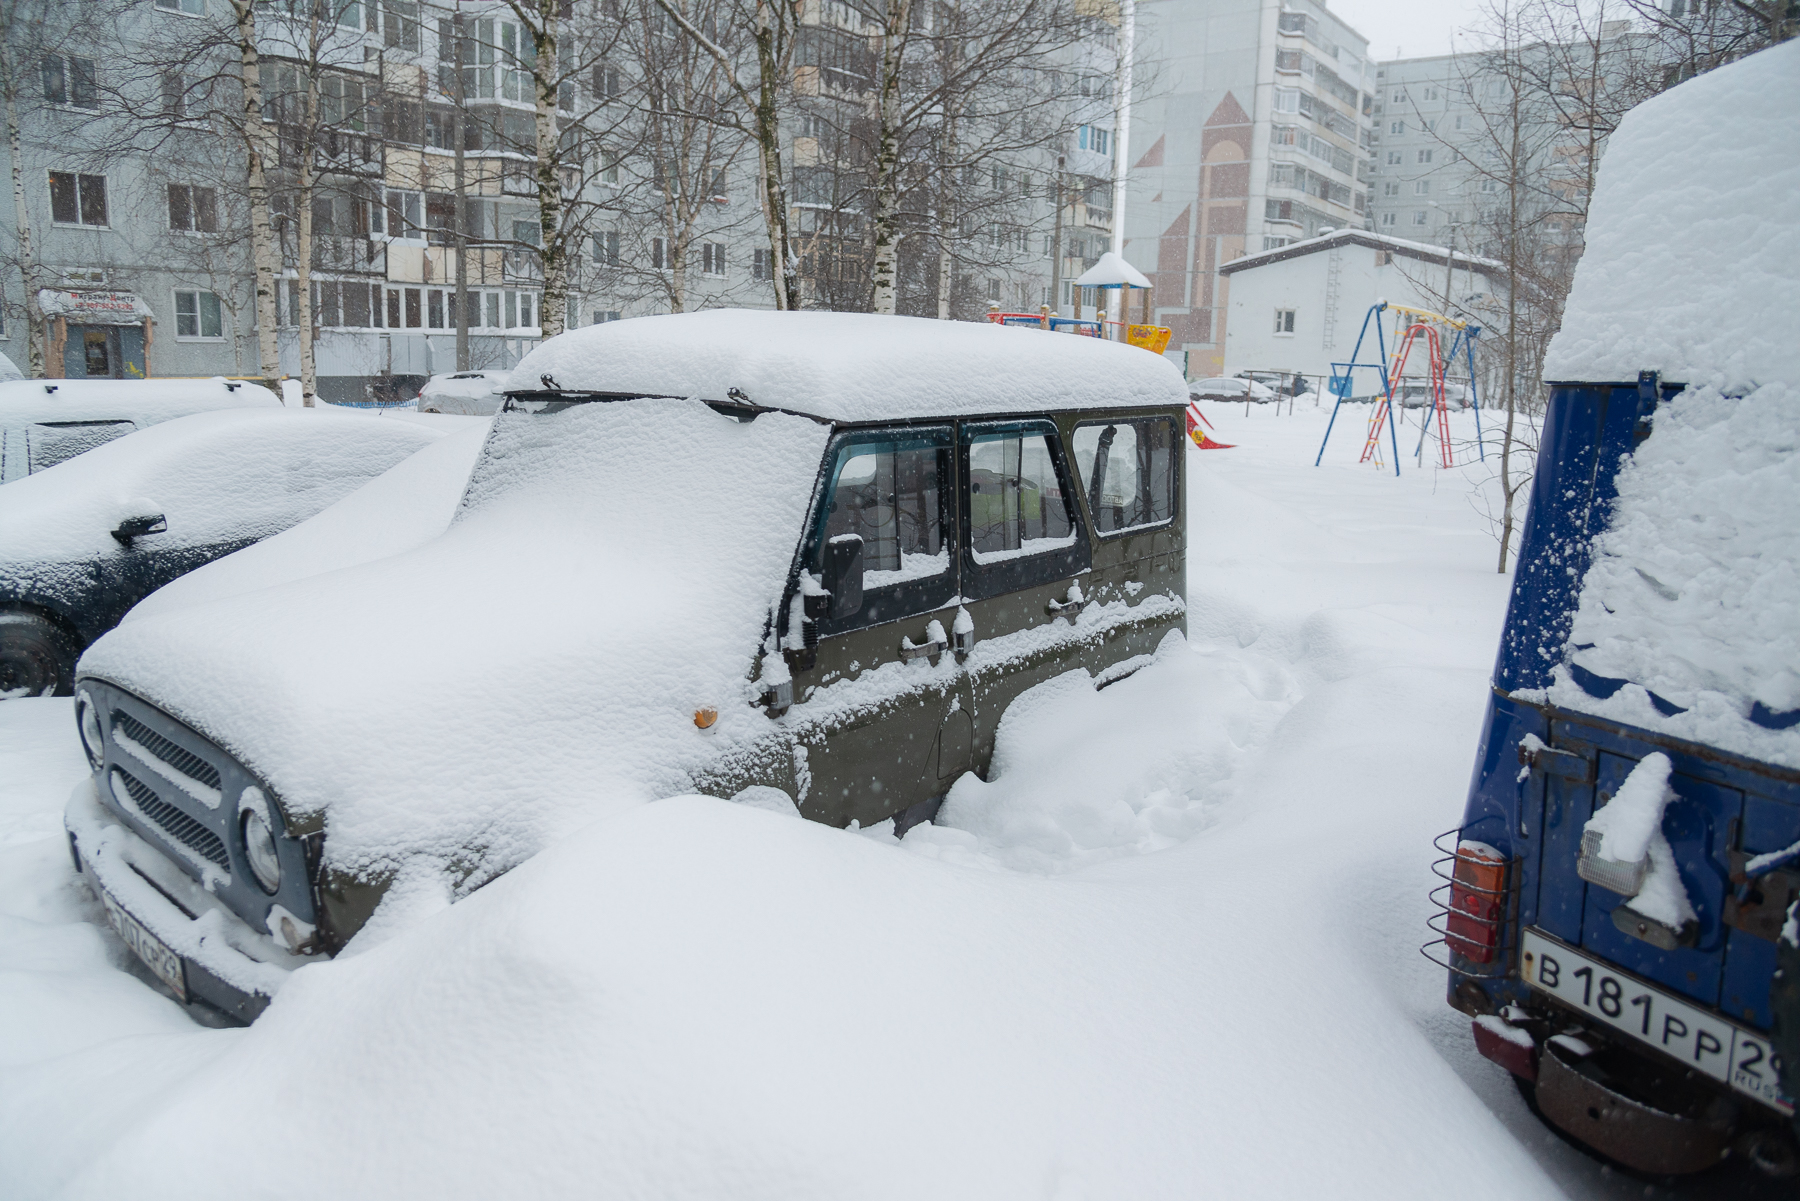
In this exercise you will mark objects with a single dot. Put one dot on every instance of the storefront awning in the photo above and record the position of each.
(94, 308)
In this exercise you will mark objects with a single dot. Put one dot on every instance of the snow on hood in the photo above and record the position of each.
(142, 400)
(235, 473)
(404, 507)
(852, 366)
(1692, 265)
(611, 569)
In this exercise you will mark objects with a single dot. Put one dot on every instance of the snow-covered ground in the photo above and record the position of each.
(1169, 950)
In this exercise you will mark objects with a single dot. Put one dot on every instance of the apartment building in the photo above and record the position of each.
(1252, 131)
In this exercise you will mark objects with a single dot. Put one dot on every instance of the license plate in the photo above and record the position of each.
(146, 946)
(1701, 1040)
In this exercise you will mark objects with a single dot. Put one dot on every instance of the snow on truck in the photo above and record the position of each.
(722, 552)
(1619, 917)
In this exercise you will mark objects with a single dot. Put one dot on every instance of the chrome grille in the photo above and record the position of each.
(179, 758)
(175, 823)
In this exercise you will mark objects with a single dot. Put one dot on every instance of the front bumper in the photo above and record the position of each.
(202, 950)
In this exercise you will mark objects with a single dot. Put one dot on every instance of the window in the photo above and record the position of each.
(891, 490)
(1423, 156)
(174, 95)
(1388, 219)
(1393, 158)
(198, 315)
(195, 8)
(1431, 94)
(70, 80)
(1458, 123)
(606, 83)
(602, 316)
(759, 266)
(404, 215)
(1274, 243)
(77, 199)
(606, 248)
(1396, 127)
(528, 232)
(1017, 505)
(1420, 217)
(659, 253)
(1490, 186)
(1287, 100)
(193, 209)
(1284, 321)
(1390, 188)
(1399, 95)
(1422, 187)
(1128, 471)
(434, 309)
(712, 258)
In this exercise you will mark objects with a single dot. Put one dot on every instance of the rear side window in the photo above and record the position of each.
(1017, 505)
(891, 488)
(53, 442)
(1128, 470)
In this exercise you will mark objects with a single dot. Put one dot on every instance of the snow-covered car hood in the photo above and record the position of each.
(611, 569)
(405, 506)
(142, 400)
(231, 474)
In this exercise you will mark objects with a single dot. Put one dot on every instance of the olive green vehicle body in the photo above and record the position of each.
(897, 758)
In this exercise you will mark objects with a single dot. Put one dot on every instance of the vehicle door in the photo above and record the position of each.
(1129, 469)
(875, 686)
(1024, 546)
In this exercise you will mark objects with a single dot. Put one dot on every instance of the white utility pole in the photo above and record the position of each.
(1122, 123)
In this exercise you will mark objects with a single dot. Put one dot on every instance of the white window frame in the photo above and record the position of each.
(1284, 323)
(198, 315)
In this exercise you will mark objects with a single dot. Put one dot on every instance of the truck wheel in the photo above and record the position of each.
(37, 657)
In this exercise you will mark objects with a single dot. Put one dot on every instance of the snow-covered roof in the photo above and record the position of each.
(1111, 271)
(141, 400)
(851, 366)
(1423, 251)
(238, 473)
(616, 563)
(1692, 266)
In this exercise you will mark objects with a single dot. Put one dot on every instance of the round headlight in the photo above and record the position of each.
(259, 848)
(87, 720)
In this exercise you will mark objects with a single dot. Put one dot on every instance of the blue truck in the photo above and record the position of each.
(1657, 1044)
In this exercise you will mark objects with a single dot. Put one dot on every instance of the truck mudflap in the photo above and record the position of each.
(199, 949)
(1584, 1095)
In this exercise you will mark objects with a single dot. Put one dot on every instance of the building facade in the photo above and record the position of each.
(1252, 131)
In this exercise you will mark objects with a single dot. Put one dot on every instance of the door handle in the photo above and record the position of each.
(935, 644)
(1071, 606)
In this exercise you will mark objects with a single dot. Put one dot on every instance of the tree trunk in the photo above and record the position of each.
(768, 152)
(459, 117)
(887, 158)
(553, 310)
(1507, 487)
(309, 379)
(34, 317)
(946, 219)
(260, 149)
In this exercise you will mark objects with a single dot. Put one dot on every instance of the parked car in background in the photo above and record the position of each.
(45, 422)
(1284, 384)
(1416, 394)
(818, 553)
(470, 393)
(84, 541)
(1220, 388)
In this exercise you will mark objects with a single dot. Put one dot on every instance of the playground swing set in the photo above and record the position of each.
(1410, 326)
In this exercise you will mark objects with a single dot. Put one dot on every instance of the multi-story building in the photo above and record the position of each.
(1253, 131)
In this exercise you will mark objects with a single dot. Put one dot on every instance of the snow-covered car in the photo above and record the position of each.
(84, 541)
(44, 422)
(1220, 388)
(470, 393)
(814, 561)
(1417, 395)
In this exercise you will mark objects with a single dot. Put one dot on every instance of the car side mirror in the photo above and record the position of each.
(844, 573)
(137, 527)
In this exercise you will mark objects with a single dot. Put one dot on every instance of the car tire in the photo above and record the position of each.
(37, 656)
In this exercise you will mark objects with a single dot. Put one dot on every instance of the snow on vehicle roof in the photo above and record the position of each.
(144, 400)
(405, 506)
(852, 366)
(611, 570)
(236, 473)
(1692, 266)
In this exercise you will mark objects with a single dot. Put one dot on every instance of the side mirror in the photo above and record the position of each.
(844, 573)
(137, 527)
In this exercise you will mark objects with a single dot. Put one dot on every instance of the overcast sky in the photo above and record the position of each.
(1409, 28)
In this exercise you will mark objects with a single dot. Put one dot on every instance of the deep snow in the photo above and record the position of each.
(1169, 950)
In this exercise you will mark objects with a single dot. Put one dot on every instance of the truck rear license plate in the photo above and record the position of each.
(1701, 1040)
(146, 946)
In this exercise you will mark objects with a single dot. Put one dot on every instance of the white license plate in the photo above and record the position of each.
(1703, 1041)
(146, 946)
